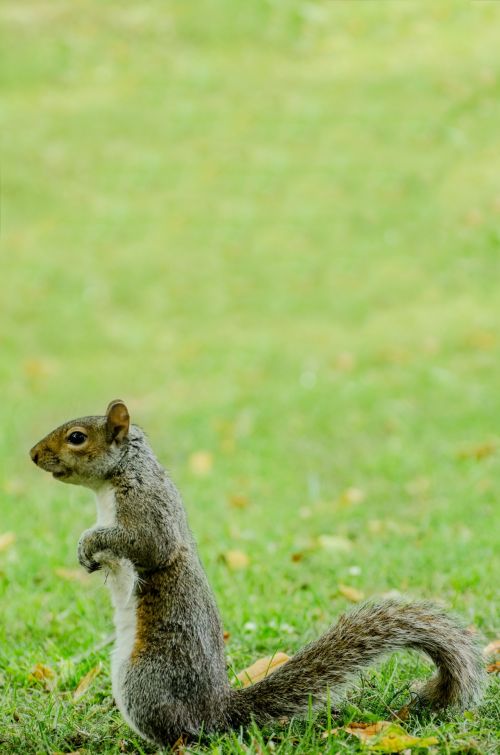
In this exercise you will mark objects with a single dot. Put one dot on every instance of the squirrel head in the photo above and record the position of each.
(84, 451)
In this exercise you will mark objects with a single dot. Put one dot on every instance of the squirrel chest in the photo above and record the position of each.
(121, 578)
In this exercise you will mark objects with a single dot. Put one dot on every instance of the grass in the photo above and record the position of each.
(274, 229)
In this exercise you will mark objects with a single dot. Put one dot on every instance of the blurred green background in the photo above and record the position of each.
(273, 229)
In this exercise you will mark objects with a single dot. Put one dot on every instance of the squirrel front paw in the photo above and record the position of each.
(88, 546)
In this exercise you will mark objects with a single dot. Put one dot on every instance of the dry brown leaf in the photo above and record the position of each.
(351, 593)
(73, 575)
(236, 559)
(238, 501)
(493, 648)
(403, 714)
(226, 636)
(179, 746)
(493, 668)
(297, 557)
(43, 674)
(6, 540)
(85, 682)
(384, 736)
(262, 668)
(201, 463)
(335, 543)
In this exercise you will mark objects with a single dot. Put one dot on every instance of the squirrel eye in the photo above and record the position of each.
(77, 438)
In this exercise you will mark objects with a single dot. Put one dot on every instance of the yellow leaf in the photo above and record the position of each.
(352, 496)
(478, 452)
(483, 340)
(236, 559)
(262, 668)
(14, 486)
(73, 575)
(345, 361)
(493, 668)
(384, 736)
(6, 540)
(201, 463)
(44, 674)
(493, 648)
(355, 596)
(238, 501)
(335, 543)
(39, 367)
(85, 682)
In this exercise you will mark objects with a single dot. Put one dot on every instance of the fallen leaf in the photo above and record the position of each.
(6, 540)
(493, 648)
(41, 367)
(254, 747)
(236, 559)
(478, 452)
(262, 668)
(352, 496)
(493, 668)
(403, 713)
(335, 543)
(482, 340)
(73, 575)
(85, 682)
(345, 361)
(179, 746)
(351, 593)
(330, 733)
(226, 636)
(201, 463)
(238, 501)
(14, 486)
(375, 526)
(297, 557)
(418, 487)
(44, 674)
(384, 736)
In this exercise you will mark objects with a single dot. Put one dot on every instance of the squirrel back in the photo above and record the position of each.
(168, 669)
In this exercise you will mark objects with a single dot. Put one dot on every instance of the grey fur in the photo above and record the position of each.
(177, 684)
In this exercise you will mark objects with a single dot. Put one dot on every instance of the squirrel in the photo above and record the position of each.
(169, 675)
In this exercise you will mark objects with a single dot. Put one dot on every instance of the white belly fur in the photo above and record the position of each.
(120, 577)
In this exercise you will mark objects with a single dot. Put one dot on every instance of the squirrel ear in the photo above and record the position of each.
(117, 421)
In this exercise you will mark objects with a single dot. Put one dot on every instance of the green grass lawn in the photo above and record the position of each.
(274, 229)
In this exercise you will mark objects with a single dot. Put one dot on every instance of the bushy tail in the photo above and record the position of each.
(356, 641)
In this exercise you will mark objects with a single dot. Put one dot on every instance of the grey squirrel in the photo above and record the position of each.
(168, 667)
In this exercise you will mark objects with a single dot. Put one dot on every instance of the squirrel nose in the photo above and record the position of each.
(34, 455)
